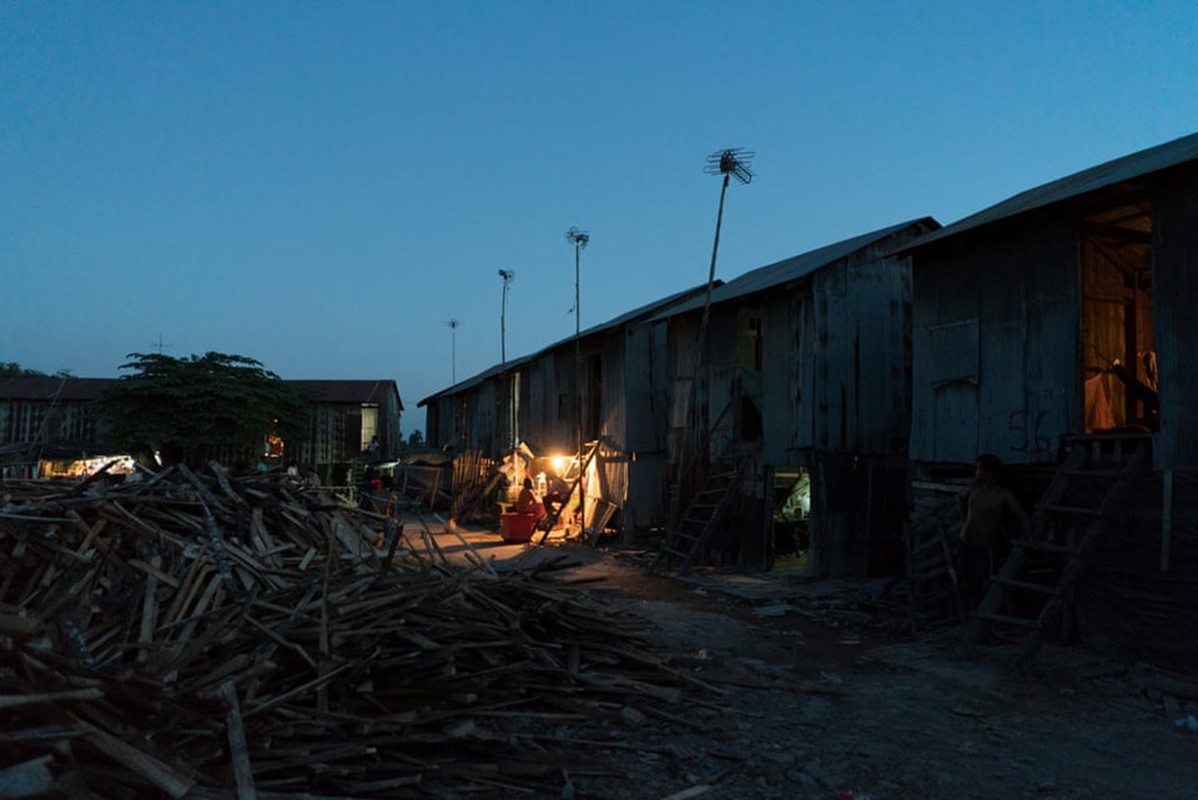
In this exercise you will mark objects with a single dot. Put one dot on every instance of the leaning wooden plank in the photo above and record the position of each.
(41, 698)
(149, 609)
(471, 552)
(298, 690)
(28, 779)
(149, 768)
(16, 625)
(689, 794)
(206, 496)
(220, 554)
(190, 585)
(154, 570)
(222, 478)
(243, 773)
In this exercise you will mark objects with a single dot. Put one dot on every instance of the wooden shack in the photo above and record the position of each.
(803, 394)
(346, 416)
(620, 387)
(480, 413)
(1059, 321)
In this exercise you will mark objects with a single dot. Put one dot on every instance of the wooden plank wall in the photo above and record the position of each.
(1175, 255)
(781, 403)
(862, 357)
(1127, 605)
(647, 389)
(614, 455)
(1020, 293)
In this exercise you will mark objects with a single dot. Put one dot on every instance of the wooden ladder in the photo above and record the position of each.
(591, 449)
(1067, 525)
(931, 573)
(706, 509)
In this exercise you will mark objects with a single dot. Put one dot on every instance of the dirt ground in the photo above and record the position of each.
(827, 694)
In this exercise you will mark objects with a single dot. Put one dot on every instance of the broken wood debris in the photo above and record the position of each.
(204, 635)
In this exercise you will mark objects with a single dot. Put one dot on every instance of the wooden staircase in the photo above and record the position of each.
(932, 584)
(1034, 589)
(707, 508)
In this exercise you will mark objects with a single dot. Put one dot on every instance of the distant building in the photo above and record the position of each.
(49, 418)
(346, 416)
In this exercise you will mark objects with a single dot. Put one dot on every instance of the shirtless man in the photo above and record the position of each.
(986, 507)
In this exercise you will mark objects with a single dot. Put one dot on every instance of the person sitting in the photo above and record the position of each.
(528, 502)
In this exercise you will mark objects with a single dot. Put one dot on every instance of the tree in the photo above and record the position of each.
(12, 369)
(198, 408)
(415, 440)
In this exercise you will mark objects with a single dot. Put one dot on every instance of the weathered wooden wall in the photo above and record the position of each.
(548, 423)
(647, 393)
(65, 421)
(1175, 275)
(1127, 604)
(995, 329)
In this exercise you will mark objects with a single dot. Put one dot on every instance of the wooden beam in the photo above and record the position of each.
(1166, 517)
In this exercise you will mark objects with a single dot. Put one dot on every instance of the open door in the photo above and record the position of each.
(1118, 347)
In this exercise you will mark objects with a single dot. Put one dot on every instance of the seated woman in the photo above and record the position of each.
(529, 503)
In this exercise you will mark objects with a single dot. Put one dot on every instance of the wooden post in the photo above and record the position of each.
(1166, 517)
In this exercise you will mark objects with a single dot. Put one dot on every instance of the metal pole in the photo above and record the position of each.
(582, 500)
(503, 326)
(701, 345)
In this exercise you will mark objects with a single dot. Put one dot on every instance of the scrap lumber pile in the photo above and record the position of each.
(198, 635)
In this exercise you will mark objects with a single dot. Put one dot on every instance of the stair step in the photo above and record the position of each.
(1093, 473)
(1003, 618)
(927, 546)
(1046, 547)
(922, 565)
(927, 576)
(1089, 512)
(1086, 439)
(1046, 588)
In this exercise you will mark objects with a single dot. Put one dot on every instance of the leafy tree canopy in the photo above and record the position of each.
(198, 408)
(12, 369)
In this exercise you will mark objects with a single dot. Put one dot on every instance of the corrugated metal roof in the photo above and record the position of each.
(629, 316)
(1154, 159)
(475, 380)
(45, 387)
(350, 391)
(783, 272)
(644, 311)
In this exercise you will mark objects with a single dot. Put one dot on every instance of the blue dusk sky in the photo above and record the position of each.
(322, 186)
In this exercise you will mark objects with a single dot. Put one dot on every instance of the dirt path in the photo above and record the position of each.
(891, 717)
(821, 703)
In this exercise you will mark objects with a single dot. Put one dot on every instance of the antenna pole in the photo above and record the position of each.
(453, 358)
(579, 239)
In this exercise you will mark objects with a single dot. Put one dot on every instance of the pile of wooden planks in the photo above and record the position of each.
(199, 635)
